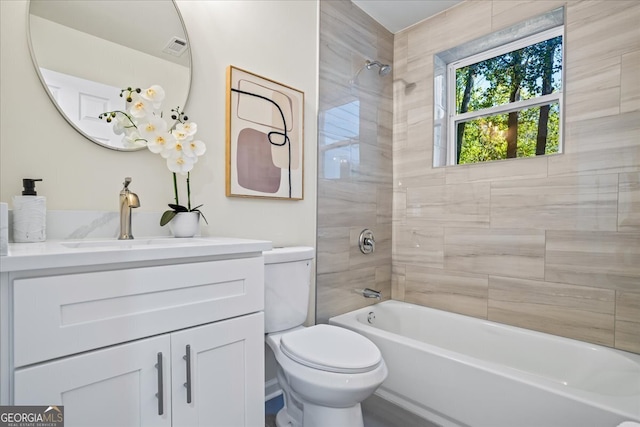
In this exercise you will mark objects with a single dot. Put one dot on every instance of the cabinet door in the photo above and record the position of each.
(226, 373)
(116, 386)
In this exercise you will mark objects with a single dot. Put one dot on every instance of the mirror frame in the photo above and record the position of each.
(62, 112)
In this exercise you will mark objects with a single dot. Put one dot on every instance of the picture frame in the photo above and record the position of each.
(264, 138)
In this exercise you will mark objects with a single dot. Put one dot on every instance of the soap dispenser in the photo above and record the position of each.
(29, 214)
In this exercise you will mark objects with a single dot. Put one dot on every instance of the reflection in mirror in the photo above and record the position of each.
(85, 52)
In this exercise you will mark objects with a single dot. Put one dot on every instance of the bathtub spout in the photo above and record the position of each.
(369, 293)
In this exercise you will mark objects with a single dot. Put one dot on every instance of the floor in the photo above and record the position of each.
(376, 411)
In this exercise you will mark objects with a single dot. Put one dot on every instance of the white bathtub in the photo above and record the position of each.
(456, 370)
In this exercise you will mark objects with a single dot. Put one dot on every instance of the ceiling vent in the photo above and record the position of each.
(176, 46)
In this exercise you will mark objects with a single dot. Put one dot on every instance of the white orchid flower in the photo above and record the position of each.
(154, 95)
(153, 127)
(120, 123)
(182, 135)
(160, 143)
(180, 164)
(190, 128)
(194, 148)
(132, 137)
(140, 107)
(176, 148)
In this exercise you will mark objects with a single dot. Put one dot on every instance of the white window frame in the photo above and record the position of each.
(453, 118)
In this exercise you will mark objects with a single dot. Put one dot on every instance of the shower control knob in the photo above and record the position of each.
(366, 242)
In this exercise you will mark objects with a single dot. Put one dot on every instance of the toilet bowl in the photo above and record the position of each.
(324, 371)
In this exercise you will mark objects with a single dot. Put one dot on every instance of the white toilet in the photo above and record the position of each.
(325, 371)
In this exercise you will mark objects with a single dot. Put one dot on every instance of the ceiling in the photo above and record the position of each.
(396, 15)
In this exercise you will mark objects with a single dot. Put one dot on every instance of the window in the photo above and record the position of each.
(507, 105)
(504, 101)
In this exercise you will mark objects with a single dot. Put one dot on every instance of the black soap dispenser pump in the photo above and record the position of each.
(29, 214)
(29, 185)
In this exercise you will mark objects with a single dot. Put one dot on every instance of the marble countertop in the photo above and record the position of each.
(72, 253)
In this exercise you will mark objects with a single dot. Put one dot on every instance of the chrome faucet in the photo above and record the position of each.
(369, 293)
(128, 200)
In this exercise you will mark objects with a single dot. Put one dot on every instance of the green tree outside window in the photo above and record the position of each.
(508, 106)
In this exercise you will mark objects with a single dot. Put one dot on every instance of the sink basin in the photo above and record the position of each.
(127, 244)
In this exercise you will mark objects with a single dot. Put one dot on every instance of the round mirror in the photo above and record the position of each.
(85, 52)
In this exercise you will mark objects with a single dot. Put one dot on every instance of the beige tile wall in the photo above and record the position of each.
(550, 244)
(361, 197)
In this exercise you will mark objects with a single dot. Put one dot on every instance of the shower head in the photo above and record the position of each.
(384, 68)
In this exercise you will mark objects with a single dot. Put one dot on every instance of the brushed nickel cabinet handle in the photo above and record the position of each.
(187, 357)
(160, 393)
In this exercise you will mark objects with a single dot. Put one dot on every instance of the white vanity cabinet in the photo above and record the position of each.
(124, 385)
(165, 341)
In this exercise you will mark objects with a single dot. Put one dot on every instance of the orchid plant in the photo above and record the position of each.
(142, 124)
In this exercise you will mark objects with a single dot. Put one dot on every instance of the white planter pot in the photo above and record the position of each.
(185, 224)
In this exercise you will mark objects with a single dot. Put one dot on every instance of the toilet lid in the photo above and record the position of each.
(331, 348)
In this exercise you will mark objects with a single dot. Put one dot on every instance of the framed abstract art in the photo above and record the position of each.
(265, 133)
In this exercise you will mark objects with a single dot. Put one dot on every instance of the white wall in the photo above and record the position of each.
(276, 39)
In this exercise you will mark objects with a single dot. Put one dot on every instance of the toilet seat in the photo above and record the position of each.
(331, 348)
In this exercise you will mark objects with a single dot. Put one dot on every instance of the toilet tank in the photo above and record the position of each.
(287, 280)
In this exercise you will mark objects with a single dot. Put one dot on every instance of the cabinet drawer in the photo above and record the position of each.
(60, 315)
